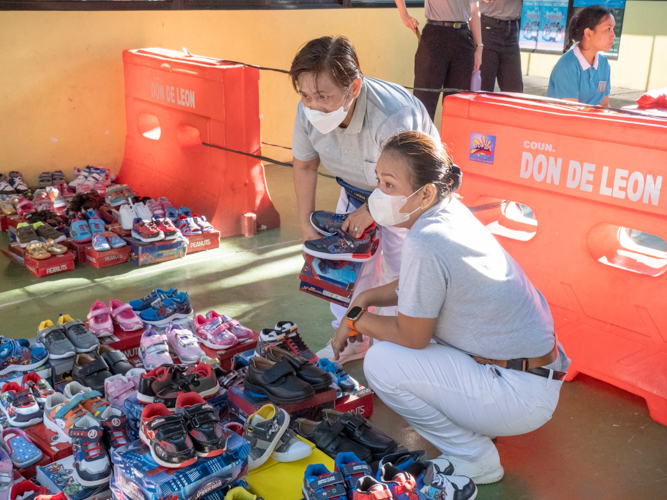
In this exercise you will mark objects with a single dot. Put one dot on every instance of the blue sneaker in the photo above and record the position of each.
(165, 309)
(20, 448)
(172, 214)
(342, 246)
(319, 484)
(340, 377)
(352, 469)
(185, 211)
(96, 226)
(17, 355)
(91, 213)
(327, 223)
(100, 243)
(116, 241)
(79, 230)
(145, 302)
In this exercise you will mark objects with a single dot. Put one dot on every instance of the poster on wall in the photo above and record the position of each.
(619, 11)
(543, 25)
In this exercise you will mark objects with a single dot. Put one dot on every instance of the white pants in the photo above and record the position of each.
(380, 269)
(455, 402)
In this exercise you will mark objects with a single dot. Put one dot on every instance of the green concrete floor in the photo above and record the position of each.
(600, 444)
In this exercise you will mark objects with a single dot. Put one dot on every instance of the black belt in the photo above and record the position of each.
(499, 20)
(447, 24)
(544, 372)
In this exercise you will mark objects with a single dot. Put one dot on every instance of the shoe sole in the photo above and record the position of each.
(216, 347)
(160, 462)
(56, 428)
(489, 480)
(136, 236)
(68, 354)
(166, 321)
(256, 389)
(354, 257)
(142, 398)
(21, 425)
(291, 457)
(23, 368)
(89, 484)
(274, 444)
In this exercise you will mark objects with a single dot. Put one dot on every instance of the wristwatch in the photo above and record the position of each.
(353, 315)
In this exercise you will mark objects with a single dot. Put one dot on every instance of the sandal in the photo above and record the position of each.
(7, 208)
(37, 250)
(55, 248)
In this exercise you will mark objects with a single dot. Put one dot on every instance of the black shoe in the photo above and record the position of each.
(90, 370)
(404, 460)
(117, 361)
(360, 431)
(277, 381)
(204, 427)
(167, 437)
(165, 383)
(342, 246)
(330, 438)
(312, 374)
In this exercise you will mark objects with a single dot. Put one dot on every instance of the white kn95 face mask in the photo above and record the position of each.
(386, 209)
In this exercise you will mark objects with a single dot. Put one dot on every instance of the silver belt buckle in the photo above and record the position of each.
(457, 26)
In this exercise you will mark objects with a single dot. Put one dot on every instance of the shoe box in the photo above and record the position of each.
(40, 268)
(59, 476)
(332, 280)
(360, 402)
(78, 249)
(107, 258)
(227, 356)
(127, 342)
(53, 446)
(61, 371)
(280, 480)
(7, 221)
(204, 241)
(138, 476)
(143, 254)
(242, 403)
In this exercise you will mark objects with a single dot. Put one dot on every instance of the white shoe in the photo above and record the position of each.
(354, 350)
(127, 216)
(142, 211)
(485, 471)
(437, 485)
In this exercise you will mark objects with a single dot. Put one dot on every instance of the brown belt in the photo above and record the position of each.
(521, 364)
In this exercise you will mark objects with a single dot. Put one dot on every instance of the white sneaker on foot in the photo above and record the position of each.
(485, 471)
(354, 350)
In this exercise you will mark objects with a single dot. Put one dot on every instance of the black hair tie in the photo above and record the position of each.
(455, 176)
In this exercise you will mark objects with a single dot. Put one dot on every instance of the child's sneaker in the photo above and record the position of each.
(263, 430)
(294, 342)
(368, 488)
(188, 227)
(17, 355)
(114, 240)
(208, 436)
(163, 310)
(40, 387)
(79, 230)
(242, 333)
(147, 301)
(204, 225)
(167, 437)
(19, 405)
(20, 448)
(127, 216)
(27, 490)
(100, 243)
(183, 343)
(91, 462)
(341, 378)
(54, 339)
(342, 246)
(99, 319)
(319, 483)
(114, 423)
(117, 389)
(327, 223)
(91, 400)
(143, 231)
(124, 316)
(167, 227)
(441, 487)
(154, 350)
(60, 414)
(291, 448)
(77, 333)
(352, 469)
(214, 333)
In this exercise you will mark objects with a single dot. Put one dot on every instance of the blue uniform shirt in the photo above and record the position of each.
(573, 77)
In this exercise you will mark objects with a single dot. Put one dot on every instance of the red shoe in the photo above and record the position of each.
(146, 231)
(167, 227)
(28, 491)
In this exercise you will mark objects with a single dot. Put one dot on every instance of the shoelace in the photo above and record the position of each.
(57, 334)
(118, 437)
(79, 413)
(92, 450)
(79, 329)
(440, 481)
(295, 340)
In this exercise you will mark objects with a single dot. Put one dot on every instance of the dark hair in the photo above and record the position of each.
(334, 54)
(428, 161)
(589, 18)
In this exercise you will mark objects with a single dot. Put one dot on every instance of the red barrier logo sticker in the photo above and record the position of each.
(482, 148)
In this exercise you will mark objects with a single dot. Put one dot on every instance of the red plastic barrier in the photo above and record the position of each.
(587, 176)
(173, 102)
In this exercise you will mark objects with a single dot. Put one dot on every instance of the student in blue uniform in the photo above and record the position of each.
(583, 74)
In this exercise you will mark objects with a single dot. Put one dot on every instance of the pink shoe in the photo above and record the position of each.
(99, 320)
(183, 343)
(124, 316)
(242, 333)
(117, 389)
(156, 208)
(101, 189)
(164, 201)
(214, 333)
(134, 376)
(84, 187)
(154, 349)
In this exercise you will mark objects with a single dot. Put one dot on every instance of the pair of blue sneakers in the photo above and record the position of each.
(160, 307)
(400, 476)
(17, 355)
(340, 377)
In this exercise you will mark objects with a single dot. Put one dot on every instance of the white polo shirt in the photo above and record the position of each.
(382, 110)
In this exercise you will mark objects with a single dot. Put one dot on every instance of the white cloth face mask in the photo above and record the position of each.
(326, 122)
(386, 209)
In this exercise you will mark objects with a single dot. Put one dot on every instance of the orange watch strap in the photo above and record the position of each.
(353, 331)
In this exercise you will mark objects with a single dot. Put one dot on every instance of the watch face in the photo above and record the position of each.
(354, 313)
